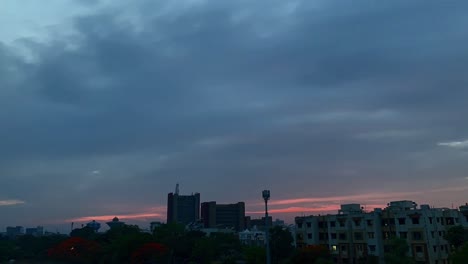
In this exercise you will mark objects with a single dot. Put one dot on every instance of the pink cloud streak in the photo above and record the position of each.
(317, 209)
(136, 216)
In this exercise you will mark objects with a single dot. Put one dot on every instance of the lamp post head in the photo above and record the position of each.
(266, 195)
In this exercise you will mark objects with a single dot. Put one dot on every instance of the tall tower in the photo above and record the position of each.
(183, 209)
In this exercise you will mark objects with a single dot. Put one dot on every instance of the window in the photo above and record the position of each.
(333, 235)
(440, 233)
(372, 248)
(332, 223)
(309, 224)
(417, 235)
(432, 234)
(357, 222)
(450, 220)
(334, 248)
(370, 234)
(435, 248)
(438, 219)
(342, 223)
(358, 236)
(309, 235)
(430, 220)
(369, 222)
(441, 248)
(386, 235)
(322, 224)
(404, 235)
(401, 221)
(342, 236)
(415, 220)
(418, 249)
(391, 221)
(299, 225)
(384, 222)
(343, 248)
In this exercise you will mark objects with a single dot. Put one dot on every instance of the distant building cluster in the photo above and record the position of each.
(354, 233)
(15, 231)
(212, 217)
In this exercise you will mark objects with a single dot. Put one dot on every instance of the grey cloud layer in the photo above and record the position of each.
(221, 93)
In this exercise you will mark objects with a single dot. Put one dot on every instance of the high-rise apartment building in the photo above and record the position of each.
(223, 215)
(183, 209)
(354, 234)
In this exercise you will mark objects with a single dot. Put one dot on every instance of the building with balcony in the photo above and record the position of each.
(354, 234)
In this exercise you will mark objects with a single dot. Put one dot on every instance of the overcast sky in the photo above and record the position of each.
(106, 105)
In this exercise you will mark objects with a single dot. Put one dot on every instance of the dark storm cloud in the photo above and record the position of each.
(225, 93)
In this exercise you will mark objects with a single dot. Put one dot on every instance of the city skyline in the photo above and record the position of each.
(160, 214)
(106, 105)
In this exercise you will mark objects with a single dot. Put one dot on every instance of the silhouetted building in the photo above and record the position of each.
(223, 215)
(183, 209)
(36, 231)
(14, 231)
(115, 223)
(258, 223)
(94, 225)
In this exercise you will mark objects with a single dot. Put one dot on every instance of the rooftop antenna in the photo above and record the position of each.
(177, 189)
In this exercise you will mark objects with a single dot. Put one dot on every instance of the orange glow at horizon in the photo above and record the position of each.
(138, 216)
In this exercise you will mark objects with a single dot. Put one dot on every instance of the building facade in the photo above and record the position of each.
(223, 215)
(14, 231)
(353, 234)
(183, 209)
(35, 231)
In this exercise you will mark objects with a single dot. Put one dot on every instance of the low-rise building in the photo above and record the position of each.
(253, 237)
(35, 231)
(14, 231)
(354, 234)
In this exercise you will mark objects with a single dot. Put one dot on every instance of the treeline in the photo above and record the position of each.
(169, 243)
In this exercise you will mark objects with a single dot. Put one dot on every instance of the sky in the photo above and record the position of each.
(106, 105)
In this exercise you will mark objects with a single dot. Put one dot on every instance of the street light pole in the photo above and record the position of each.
(266, 197)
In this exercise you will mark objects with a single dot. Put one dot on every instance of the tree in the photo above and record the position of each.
(255, 255)
(172, 235)
(75, 250)
(121, 242)
(281, 244)
(460, 256)
(398, 252)
(456, 236)
(7, 250)
(85, 232)
(312, 254)
(150, 253)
